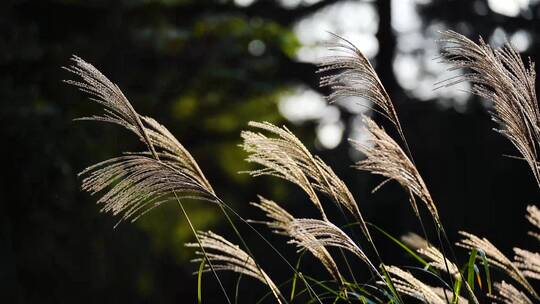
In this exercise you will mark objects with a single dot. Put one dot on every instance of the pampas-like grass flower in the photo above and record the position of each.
(500, 76)
(117, 108)
(282, 223)
(285, 156)
(414, 241)
(385, 157)
(355, 77)
(438, 260)
(533, 215)
(528, 262)
(496, 258)
(407, 284)
(445, 293)
(226, 256)
(323, 233)
(509, 294)
(137, 182)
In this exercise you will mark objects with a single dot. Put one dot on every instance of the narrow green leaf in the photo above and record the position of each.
(457, 290)
(470, 268)
(407, 249)
(237, 288)
(389, 284)
(295, 277)
(486, 269)
(199, 281)
(325, 287)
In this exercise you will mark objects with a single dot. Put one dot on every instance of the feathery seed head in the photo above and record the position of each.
(496, 258)
(285, 156)
(528, 262)
(500, 76)
(138, 182)
(283, 223)
(226, 256)
(407, 284)
(385, 157)
(509, 294)
(355, 77)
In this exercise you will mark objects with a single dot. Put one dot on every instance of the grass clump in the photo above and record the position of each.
(136, 182)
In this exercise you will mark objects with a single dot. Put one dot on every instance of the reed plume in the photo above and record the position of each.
(226, 256)
(528, 262)
(414, 241)
(355, 77)
(385, 157)
(285, 156)
(509, 294)
(500, 76)
(496, 258)
(137, 182)
(445, 293)
(117, 108)
(405, 283)
(282, 223)
(439, 261)
(533, 216)
(323, 233)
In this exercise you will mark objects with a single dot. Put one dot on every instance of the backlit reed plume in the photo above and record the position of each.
(438, 261)
(138, 182)
(528, 262)
(533, 215)
(500, 76)
(496, 258)
(414, 241)
(116, 106)
(285, 156)
(385, 157)
(282, 223)
(509, 294)
(355, 77)
(227, 256)
(445, 293)
(405, 283)
(323, 233)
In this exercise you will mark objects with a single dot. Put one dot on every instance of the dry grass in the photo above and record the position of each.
(284, 223)
(133, 184)
(499, 75)
(385, 157)
(509, 294)
(227, 256)
(285, 156)
(495, 258)
(407, 284)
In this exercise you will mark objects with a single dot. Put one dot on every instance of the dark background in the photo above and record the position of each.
(187, 64)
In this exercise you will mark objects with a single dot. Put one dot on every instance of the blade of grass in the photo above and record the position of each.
(456, 290)
(199, 281)
(403, 246)
(486, 269)
(237, 288)
(295, 277)
(470, 268)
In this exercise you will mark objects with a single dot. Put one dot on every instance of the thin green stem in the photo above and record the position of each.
(202, 247)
